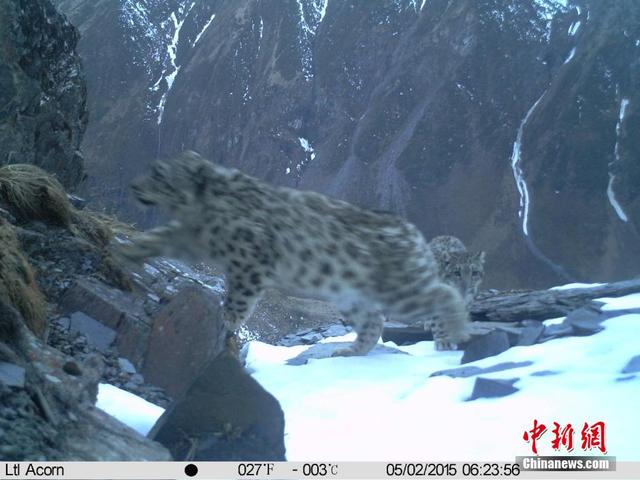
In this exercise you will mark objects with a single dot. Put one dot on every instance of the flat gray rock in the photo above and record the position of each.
(492, 388)
(530, 334)
(11, 375)
(325, 350)
(97, 334)
(556, 331)
(485, 346)
(310, 336)
(470, 371)
(544, 373)
(585, 321)
(633, 365)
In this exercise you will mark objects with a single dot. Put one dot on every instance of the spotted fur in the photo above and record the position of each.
(457, 267)
(367, 264)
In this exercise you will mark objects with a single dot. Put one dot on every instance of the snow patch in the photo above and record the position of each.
(620, 303)
(360, 402)
(518, 175)
(624, 103)
(311, 13)
(571, 55)
(169, 73)
(570, 286)
(311, 155)
(573, 29)
(204, 29)
(547, 10)
(128, 408)
(614, 201)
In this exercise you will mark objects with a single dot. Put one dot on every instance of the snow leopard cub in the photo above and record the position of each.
(458, 267)
(366, 264)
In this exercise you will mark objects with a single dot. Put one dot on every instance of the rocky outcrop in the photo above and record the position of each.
(42, 90)
(46, 405)
(224, 415)
(402, 105)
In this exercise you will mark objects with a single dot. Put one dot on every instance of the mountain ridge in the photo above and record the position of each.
(406, 106)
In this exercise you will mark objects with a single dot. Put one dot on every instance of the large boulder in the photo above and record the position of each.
(224, 415)
(187, 332)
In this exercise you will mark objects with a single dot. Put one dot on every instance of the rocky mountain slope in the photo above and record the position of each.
(511, 124)
(42, 90)
(73, 316)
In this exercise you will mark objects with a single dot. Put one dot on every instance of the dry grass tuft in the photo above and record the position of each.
(17, 282)
(91, 226)
(33, 194)
(30, 193)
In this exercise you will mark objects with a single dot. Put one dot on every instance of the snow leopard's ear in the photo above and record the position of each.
(480, 256)
(192, 156)
(191, 161)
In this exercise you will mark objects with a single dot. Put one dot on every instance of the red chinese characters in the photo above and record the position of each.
(534, 434)
(592, 436)
(562, 437)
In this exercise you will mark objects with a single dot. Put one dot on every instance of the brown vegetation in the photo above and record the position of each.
(17, 282)
(29, 193)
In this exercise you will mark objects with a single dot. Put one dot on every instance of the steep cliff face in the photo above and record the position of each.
(507, 123)
(42, 90)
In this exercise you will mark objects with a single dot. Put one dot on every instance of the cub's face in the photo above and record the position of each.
(464, 271)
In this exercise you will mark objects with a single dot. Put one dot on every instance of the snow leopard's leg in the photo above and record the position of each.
(239, 304)
(238, 307)
(445, 311)
(152, 243)
(243, 293)
(368, 326)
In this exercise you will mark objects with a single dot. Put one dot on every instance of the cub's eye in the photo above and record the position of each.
(458, 273)
(475, 273)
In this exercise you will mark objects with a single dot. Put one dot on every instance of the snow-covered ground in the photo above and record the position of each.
(128, 408)
(387, 407)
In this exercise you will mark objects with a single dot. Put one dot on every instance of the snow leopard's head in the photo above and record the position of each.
(184, 181)
(463, 270)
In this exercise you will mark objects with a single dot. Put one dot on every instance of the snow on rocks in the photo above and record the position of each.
(128, 408)
(171, 69)
(311, 13)
(516, 166)
(394, 396)
(571, 55)
(624, 103)
(204, 29)
(426, 402)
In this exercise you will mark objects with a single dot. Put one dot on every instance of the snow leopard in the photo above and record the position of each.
(368, 265)
(457, 267)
